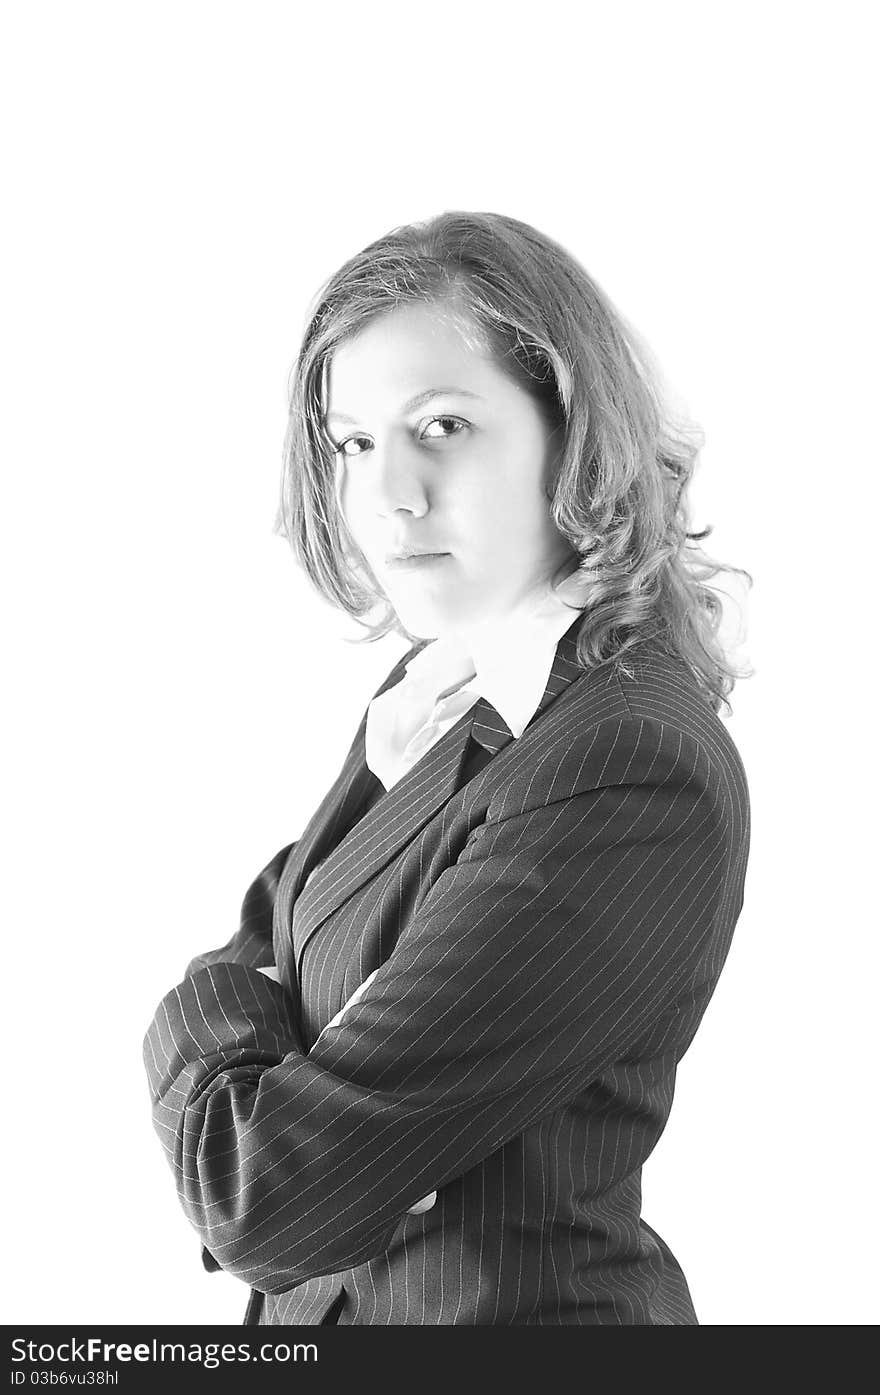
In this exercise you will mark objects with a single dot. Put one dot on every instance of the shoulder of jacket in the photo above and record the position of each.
(571, 757)
(628, 740)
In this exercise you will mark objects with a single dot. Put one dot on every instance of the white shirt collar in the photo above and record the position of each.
(506, 661)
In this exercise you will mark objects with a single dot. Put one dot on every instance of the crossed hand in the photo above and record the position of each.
(271, 972)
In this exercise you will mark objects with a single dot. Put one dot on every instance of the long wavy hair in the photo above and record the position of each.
(620, 489)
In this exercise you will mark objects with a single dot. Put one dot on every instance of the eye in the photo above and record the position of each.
(354, 445)
(442, 428)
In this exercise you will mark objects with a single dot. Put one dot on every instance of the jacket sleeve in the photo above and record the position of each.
(563, 931)
(252, 942)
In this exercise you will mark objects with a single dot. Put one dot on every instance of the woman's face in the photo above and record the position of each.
(441, 453)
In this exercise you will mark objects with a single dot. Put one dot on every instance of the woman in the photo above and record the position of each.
(419, 1083)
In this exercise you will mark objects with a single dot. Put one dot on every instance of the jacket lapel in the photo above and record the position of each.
(398, 815)
(321, 834)
(394, 820)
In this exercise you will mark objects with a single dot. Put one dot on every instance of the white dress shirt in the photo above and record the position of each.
(507, 661)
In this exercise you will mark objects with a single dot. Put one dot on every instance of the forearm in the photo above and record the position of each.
(244, 1119)
(287, 1168)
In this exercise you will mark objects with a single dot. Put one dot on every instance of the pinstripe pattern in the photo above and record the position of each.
(548, 931)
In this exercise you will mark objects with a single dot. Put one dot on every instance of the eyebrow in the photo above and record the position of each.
(418, 401)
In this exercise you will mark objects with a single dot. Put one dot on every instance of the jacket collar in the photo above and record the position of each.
(507, 661)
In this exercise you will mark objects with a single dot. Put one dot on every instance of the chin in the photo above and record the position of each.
(431, 617)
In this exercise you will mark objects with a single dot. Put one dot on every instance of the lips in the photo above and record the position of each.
(406, 550)
(414, 559)
(409, 550)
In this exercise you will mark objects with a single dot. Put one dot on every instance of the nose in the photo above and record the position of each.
(395, 479)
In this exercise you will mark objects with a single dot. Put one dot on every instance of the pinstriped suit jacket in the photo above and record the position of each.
(548, 932)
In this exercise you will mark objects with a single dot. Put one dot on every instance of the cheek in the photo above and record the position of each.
(519, 462)
(512, 498)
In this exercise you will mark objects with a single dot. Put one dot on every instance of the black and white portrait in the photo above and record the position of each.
(440, 501)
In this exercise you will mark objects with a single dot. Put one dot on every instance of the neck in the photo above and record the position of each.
(468, 634)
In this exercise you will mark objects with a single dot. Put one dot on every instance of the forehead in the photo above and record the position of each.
(407, 351)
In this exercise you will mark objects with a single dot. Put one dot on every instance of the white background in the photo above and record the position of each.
(179, 179)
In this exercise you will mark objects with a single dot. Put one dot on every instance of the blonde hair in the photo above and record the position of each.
(619, 495)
